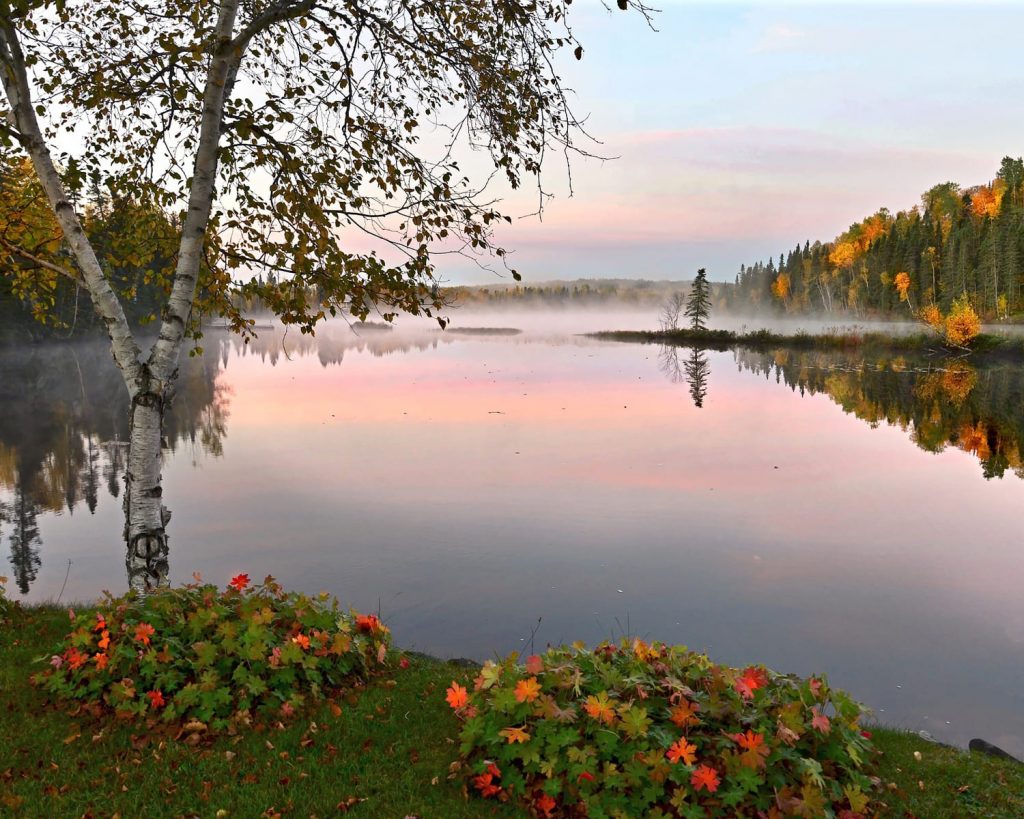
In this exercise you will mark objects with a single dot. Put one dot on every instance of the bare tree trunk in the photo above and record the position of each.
(146, 517)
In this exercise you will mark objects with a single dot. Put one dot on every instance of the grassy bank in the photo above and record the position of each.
(380, 751)
(985, 345)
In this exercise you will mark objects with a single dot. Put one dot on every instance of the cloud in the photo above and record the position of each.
(717, 196)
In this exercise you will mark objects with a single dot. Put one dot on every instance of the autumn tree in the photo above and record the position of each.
(698, 303)
(958, 240)
(962, 323)
(902, 283)
(781, 287)
(275, 132)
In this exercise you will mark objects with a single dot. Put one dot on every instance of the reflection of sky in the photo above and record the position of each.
(743, 129)
(472, 488)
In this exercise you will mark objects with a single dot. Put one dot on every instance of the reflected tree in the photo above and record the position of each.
(694, 370)
(63, 427)
(698, 370)
(942, 404)
(25, 538)
(669, 363)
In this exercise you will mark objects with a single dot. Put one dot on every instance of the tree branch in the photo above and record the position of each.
(39, 261)
(16, 85)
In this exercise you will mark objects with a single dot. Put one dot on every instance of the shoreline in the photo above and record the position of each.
(985, 346)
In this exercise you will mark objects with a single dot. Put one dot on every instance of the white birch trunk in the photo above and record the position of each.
(149, 382)
(146, 517)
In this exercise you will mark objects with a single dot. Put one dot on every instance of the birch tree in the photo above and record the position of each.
(298, 144)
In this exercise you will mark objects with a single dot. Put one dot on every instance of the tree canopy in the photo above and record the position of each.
(328, 135)
(957, 241)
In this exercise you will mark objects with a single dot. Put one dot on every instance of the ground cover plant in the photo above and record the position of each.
(210, 656)
(384, 749)
(639, 729)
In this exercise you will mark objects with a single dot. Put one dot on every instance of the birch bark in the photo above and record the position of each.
(149, 381)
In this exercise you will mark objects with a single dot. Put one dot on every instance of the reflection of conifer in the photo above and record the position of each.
(113, 469)
(90, 477)
(697, 370)
(25, 540)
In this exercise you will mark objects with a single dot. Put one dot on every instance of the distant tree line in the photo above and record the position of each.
(957, 241)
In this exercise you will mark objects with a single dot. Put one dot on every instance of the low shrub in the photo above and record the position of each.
(639, 729)
(200, 654)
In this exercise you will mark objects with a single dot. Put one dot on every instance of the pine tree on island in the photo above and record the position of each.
(698, 305)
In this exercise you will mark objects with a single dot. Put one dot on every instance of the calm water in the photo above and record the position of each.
(817, 513)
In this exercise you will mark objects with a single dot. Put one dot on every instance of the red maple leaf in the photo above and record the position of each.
(239, 582)
(752, 679)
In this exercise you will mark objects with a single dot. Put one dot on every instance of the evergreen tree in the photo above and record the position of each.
(698, 305)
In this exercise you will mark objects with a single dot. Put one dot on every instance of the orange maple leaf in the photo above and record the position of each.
(104, 640)
(514, 734)
(684, 714)
(534, 664)
(156, 699)
(754, 749)
(143, 631)
(101, 661)
(457, 696)
(600, 708)
(705, 777)
(682, 750)
(527, 690)
(368, 623)
(545, 804)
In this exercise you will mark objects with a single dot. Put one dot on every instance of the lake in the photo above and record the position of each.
(489, 493)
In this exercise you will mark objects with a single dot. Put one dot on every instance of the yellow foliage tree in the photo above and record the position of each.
(843, 254)
(962, 323)
(902, 282)
(932, 316)
(781, 287)
(30, 237)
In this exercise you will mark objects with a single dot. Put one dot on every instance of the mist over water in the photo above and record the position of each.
(816, 512)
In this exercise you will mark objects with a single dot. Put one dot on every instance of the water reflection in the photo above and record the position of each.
(941, 403)
(64, 424)
(475, 484)
(693, 369)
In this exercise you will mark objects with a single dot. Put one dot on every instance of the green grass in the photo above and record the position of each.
(985, 345)
(391, 746)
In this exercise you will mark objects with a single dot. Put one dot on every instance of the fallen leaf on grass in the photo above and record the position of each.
(69, 739)
(351, 802)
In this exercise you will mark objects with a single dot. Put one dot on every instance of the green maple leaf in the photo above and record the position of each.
(635, 721)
